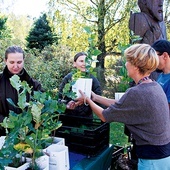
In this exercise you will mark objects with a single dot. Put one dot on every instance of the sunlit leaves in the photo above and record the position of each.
(30, 129)
(22, 89)
(23, 147)
(67, 90)
(15, 82)
(36, 113)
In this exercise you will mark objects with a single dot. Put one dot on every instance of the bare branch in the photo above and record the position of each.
(76, 8)
(94, 3)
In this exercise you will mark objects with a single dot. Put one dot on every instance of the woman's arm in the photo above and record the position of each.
(95, 98)
(102, 100)
(96, 109)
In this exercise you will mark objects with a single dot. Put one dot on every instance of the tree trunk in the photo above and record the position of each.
(101, 41)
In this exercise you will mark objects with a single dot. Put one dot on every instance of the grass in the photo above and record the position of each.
(117, 136)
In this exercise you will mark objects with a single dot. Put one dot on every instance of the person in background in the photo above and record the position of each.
(162, 48)
(14, 60)
(143, 109)
(72, 109)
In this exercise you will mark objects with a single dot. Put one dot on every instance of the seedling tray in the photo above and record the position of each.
(84, 135)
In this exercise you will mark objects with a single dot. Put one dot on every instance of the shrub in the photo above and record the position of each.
(49, 66)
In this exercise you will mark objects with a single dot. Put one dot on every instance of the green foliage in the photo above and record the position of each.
(29, 131)
(117, 136)
(120, 82)
(108, 20)
(49, 66)
(69, 28)
(123, 84)
(117, 79)
(134, 38)
(5, 37)
(92, 50)
(18, 35)
(4, 30)
(11, 35)
(41, 34)
(2, 26)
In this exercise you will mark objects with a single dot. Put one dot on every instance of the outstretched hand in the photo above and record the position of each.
(93, 96)
(73, 104)
(77, 102)
(83, 95)
(81, 99)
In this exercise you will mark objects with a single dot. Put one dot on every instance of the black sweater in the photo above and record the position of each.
(81, 110)
(7, 91)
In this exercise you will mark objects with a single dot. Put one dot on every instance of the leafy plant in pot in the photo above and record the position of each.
(29, 132)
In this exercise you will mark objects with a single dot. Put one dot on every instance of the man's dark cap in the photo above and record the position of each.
(162, 46)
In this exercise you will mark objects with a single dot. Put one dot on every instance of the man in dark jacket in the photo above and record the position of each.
(14, 60)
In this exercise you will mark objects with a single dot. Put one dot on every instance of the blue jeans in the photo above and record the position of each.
(154, 164)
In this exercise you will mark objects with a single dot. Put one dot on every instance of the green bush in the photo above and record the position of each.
(50, 66)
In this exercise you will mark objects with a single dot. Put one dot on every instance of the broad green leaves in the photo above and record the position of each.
(30, 130)
(24, 88)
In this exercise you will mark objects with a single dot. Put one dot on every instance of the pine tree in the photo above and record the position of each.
(4, 30)
(41, 34)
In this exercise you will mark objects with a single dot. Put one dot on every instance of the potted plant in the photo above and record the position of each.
(29, 132)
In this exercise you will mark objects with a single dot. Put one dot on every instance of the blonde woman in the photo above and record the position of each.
(143, 109)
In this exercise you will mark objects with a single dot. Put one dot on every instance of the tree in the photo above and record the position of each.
(102, 16)
(2, 26)
(24, 24)
(5, 37)
(108, 20)
(41, 34)
(4, 30)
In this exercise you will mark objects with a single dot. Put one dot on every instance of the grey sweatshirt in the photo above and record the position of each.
(144, 110)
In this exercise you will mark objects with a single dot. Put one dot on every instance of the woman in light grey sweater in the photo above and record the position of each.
(143, 109)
